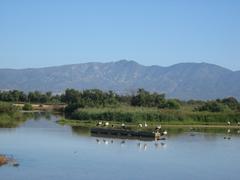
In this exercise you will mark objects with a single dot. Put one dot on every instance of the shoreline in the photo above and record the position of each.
(91, 124)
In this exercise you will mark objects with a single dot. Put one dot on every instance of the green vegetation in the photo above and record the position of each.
(164, 116)
(33, 97)
(27, 107)
(9, 115)
(94, 104)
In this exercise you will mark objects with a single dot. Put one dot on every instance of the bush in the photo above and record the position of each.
(170, 104)
(27, 107)
(213, 106)
(7, 108)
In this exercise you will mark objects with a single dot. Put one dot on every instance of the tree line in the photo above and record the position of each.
(96, 98)
(31, 97)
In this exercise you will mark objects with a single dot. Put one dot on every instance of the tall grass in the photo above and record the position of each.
(139, 114)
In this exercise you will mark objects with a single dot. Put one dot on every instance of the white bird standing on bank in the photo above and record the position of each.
(99, 123)
(123, 125)
(106, 123)
(145, 124)
(158, 127)
(140, 125)
(229, 123)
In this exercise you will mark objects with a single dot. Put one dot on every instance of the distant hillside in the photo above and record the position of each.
(184, 81)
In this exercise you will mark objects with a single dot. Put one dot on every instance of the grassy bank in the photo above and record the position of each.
(155, 115)
(10, 115)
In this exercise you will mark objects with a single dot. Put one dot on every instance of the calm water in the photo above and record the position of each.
(46, 150)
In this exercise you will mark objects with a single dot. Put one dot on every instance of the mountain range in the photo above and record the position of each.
(183, 81)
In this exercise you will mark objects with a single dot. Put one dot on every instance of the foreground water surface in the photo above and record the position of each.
(46, 150)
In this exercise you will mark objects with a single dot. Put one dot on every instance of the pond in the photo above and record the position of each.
(46, 150)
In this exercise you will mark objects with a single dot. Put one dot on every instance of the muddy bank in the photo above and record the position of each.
(3, 160)
(7, 160)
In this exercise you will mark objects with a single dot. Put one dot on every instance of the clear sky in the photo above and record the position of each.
(38, 33)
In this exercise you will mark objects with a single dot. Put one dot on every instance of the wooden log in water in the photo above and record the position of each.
(124, 133)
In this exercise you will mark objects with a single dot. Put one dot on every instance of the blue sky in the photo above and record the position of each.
(38, 33)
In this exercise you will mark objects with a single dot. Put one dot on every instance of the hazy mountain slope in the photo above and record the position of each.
(185, 80)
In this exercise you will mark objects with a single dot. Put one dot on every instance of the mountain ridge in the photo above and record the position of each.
(182, 80)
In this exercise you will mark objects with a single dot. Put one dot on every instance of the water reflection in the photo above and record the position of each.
(141, 145)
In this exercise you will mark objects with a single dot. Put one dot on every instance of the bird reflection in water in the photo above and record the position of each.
(105, 141)
(122, 143)
(143, 146)
(228, 135)
(160, 145)
(98, 141)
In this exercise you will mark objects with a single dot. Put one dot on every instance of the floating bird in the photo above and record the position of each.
(15, 164)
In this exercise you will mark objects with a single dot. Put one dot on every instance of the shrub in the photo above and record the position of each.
(27, 107)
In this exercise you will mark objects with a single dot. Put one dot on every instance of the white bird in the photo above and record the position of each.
(140, 125)
(165, 132)
(99, 123)
(238, 123)
(145, 124)
(158, 127)
(229, 123)
(106, 123)
(228, 131)
(123, 125)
